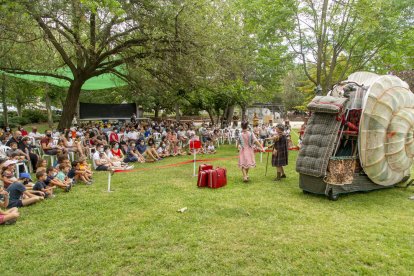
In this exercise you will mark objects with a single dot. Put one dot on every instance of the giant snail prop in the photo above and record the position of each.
(383, 134)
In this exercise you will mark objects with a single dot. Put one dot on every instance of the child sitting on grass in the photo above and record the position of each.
(41, 165)
(26, 180)
(8, 216)
(41, 185)
(62, 175)
(51, 180)
(79, 175)
(19, 196)
(163, 149)
(84, 166)
(210, 149)
(148, 152)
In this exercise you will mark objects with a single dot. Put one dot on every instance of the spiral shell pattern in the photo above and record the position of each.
(386, 140)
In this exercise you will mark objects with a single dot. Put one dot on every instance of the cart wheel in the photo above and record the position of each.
(333, 197)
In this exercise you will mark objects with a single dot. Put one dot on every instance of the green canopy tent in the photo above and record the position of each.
(104, 81)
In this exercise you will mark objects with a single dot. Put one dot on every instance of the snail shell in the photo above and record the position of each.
(386, 142)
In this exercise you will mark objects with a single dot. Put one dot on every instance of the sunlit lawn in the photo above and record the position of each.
(263, 227)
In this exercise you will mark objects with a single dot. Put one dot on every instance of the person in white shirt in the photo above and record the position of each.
(133, 134)
(34, 134)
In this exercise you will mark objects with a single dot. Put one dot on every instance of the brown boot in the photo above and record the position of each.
(283, 176)
(279, 175)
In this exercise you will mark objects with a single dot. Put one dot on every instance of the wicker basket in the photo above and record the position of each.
(340, 170)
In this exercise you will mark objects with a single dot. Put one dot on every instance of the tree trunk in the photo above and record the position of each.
(3, 97)
(19, 108)
(243, 111)
(177, 112)
(156, 112)
(210, 114)
(230, 112)
(70, 104)
(49, 108)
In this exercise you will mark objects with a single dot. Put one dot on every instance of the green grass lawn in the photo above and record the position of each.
(264, 227)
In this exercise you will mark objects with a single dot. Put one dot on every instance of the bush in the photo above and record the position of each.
(15, 121)
(34, 116)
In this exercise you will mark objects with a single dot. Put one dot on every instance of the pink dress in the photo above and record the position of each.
(246, 155)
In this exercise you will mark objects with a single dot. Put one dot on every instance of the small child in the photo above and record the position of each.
(8, 216)
(51, 180)
(41, 185)
(84, 166)
(79, 174)
(210, 149)
(26, 180)
(63, 174)
(41, 165)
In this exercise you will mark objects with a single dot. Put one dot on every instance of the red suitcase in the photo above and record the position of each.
(204, 167)
(203, 178)
(217, 178)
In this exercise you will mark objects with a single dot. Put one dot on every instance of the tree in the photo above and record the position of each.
(293, 97)
(92, 38)
(351, 32)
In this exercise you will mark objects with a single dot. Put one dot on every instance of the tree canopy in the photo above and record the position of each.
(203, 55)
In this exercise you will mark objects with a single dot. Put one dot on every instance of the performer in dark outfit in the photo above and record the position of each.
(280, 152)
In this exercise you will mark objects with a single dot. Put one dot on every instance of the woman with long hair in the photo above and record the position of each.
(246, 154)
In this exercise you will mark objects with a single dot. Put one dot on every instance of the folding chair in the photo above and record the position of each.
(51, 158)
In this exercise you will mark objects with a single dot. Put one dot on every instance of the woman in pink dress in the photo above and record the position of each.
(246, 154)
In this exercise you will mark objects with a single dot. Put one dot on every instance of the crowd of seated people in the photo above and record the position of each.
(60, 159)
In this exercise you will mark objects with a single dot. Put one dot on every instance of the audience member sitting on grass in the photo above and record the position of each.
(11, 215)
(62, 159)
(117, 152)
(85, 167)
(132, 155)
(115, 162)
(26, 179)
(210, 149)
(41, 185)
(62, 175)
(100, 160)
(41, 165)
(113, 137)
(51, 180)
(8, 173)
(163, 149)
(149, 153)
(78, 175)
(19, 196)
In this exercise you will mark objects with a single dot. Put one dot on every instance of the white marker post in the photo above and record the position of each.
(194, 145)
(109, 182)
(195, 158)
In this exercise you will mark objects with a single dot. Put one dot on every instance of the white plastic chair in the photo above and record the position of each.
(21, 164)
(4, 149)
